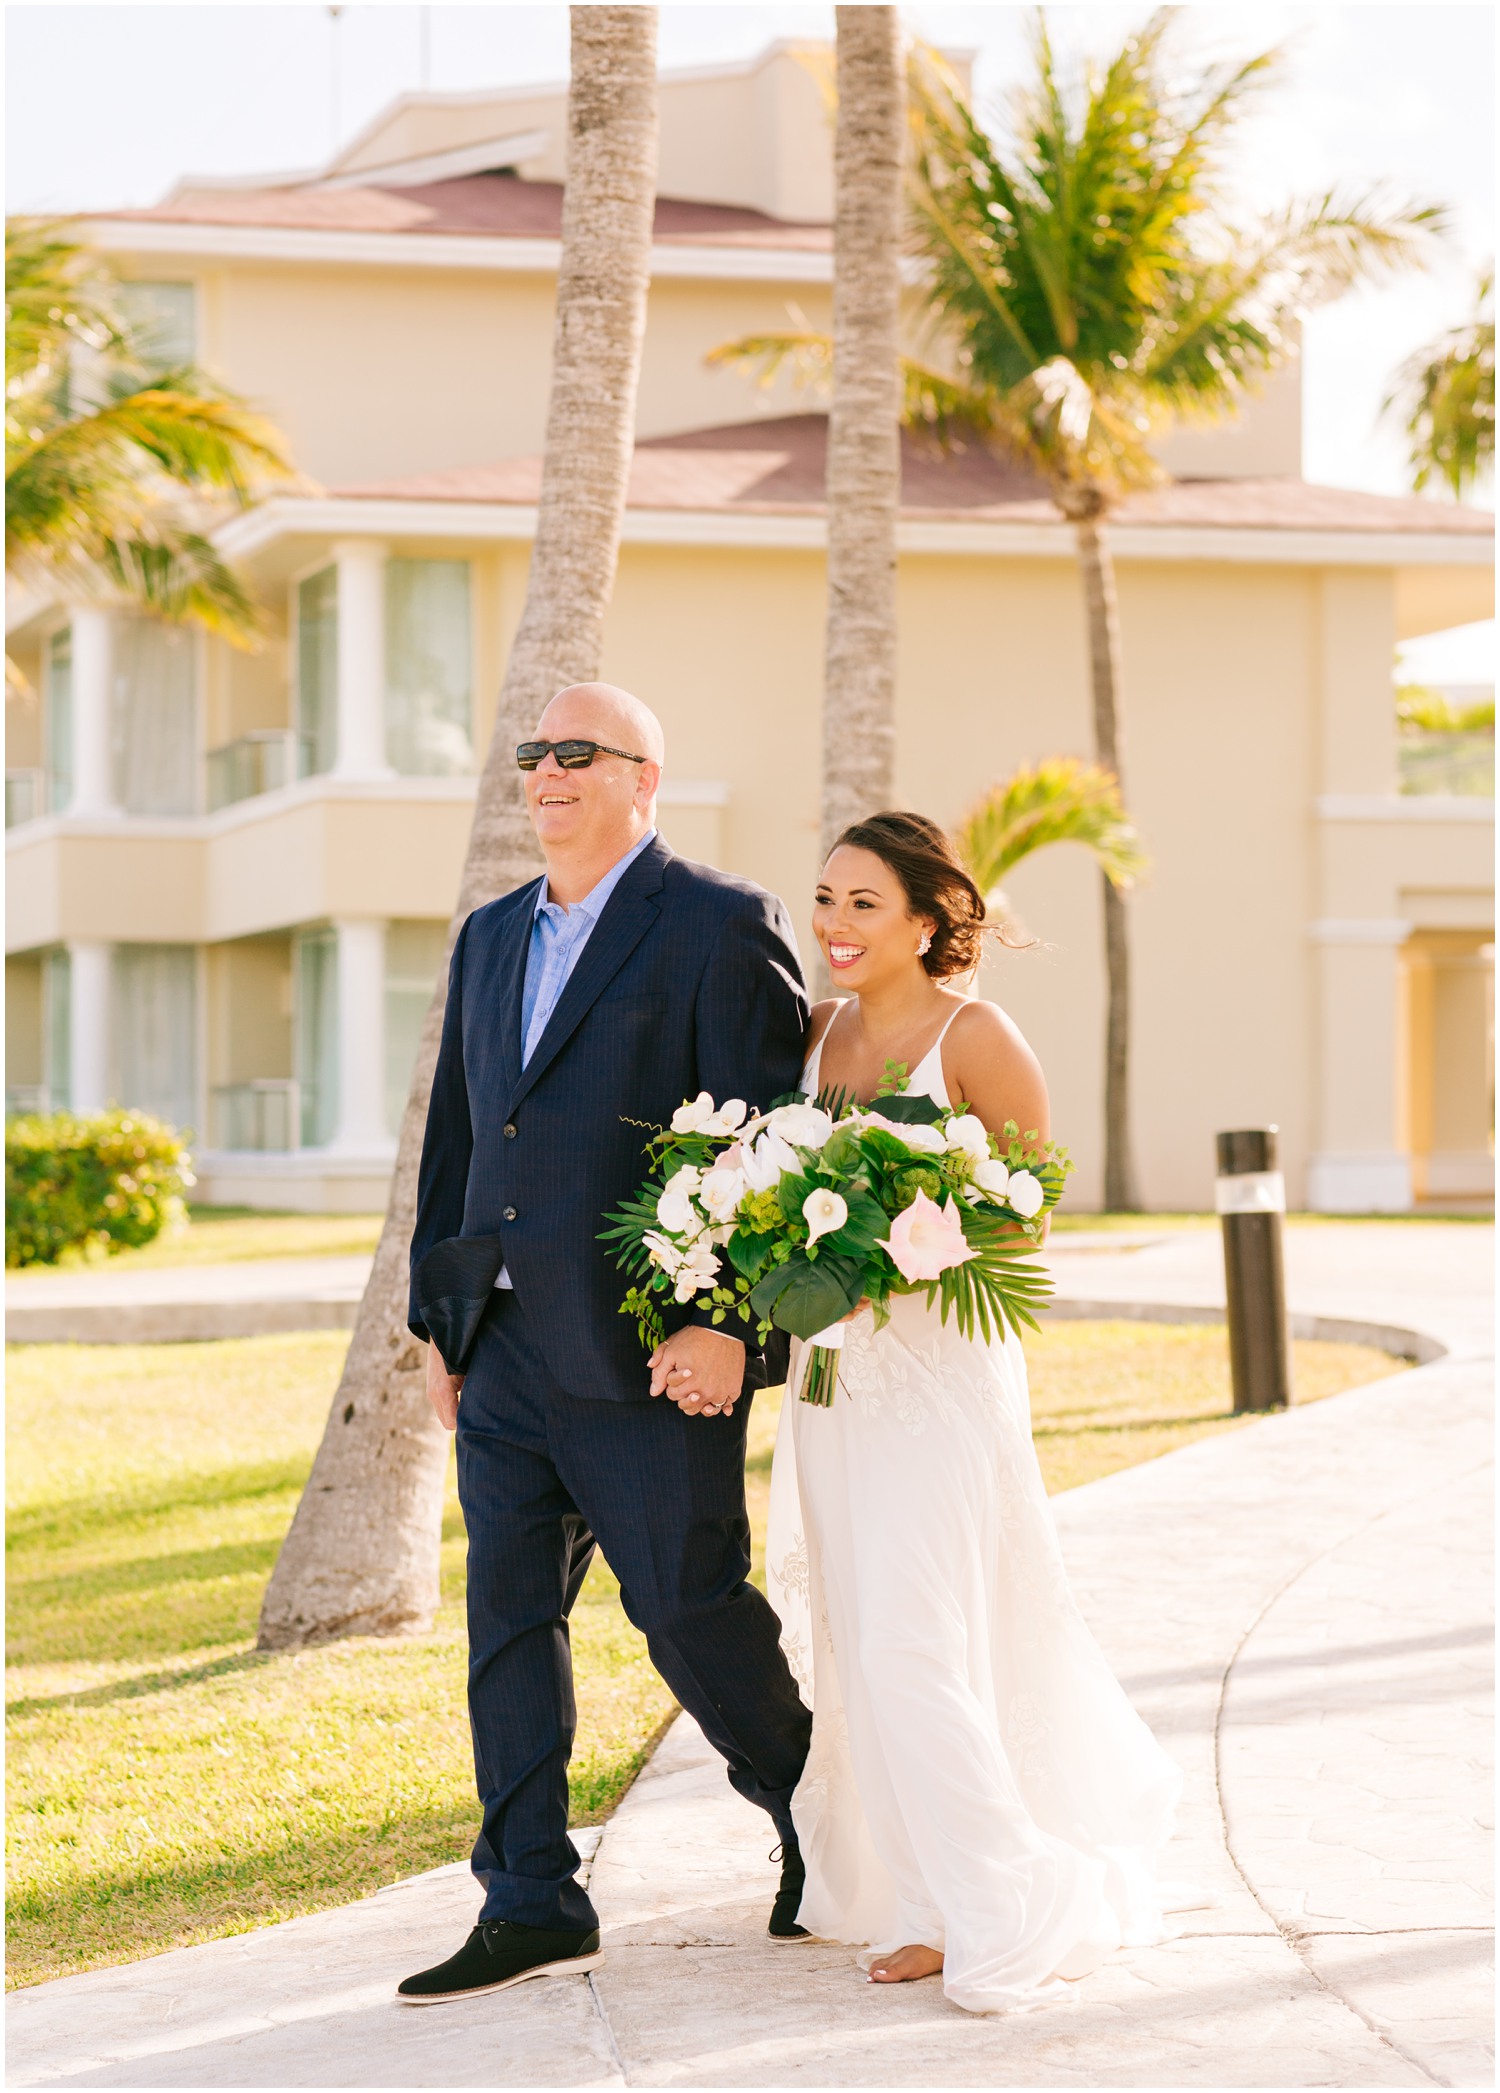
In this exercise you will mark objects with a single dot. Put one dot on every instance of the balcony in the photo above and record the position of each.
(25, 796)
(263, 1116)
(1446, 763)
(258, 762)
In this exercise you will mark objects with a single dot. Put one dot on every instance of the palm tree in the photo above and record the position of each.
(864, 425)
(1060, 800)
(1445, 397)
(114, 472)
(1088, 281)
(361, 1557)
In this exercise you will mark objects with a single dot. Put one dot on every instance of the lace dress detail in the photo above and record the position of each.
(977, 1781)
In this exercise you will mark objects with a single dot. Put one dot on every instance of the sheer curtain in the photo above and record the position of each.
(317, 670)
(59, 719)
(155, 722)
(428, 668)
(315, 1029)
(413, 955)
(155, 1045)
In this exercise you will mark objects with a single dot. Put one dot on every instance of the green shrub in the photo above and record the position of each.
(109, 1182)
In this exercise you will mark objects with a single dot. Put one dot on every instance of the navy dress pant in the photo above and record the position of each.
(544, 1477)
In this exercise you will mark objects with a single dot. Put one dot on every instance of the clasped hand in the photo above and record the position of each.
(702, 1371)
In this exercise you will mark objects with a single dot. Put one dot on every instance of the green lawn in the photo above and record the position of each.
(214, 1235)
(168, 1784)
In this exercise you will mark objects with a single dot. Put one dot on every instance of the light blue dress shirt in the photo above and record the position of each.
(558, 936)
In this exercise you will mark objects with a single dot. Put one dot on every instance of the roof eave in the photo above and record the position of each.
(503, 522)
(495, 253)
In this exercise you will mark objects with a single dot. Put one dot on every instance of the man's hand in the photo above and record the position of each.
(442, 1389)
(701, 1370)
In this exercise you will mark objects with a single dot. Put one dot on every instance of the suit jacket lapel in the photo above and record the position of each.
(511, 982)
(628, 914)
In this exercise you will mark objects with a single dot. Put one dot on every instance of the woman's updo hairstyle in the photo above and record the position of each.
(934, 882)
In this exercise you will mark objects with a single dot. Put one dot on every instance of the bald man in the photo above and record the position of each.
(582, 1007)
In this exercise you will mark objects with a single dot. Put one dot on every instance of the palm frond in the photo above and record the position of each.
(1445, 397)
(1061, 800)
(803, 354)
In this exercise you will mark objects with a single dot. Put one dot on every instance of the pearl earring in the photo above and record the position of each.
(926, 945)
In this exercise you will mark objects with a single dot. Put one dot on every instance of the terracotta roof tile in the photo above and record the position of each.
(480, 204)
(776, 467)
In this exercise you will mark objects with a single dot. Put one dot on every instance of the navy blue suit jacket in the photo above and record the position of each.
(689, 981)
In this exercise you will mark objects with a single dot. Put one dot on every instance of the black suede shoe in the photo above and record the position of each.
(497, 1955)
(783, 1925)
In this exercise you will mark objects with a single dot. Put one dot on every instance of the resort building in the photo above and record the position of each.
(230, 873)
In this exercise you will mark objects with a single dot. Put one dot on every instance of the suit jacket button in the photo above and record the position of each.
(510, 1133)
(509, 1214)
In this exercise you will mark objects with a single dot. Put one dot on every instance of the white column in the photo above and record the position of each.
(361, 659)
(89, 970)
(1358, 1166)
(360, 1128)
(93, 764)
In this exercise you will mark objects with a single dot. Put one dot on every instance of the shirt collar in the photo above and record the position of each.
(592, 904)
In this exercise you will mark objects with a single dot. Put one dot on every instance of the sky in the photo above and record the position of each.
(109, 105)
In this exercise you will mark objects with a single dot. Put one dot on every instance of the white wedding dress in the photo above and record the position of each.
(978, 1782)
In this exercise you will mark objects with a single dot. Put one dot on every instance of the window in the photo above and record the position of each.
(155, 1026)
(428, 669)
(317, 669)
(413, 956)
(315, 1033)
(164, 319)
(57, 1030)
(58, 728)
(154, 717)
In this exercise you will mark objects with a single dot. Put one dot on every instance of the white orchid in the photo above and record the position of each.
(1025, 1194)
(767, 1162)
(722, 1190)
(804, 1125)
(663, 1254)
(696, 1273)
(966, 1136)
(824, 1212)
(700, 1115)
(993, 1177)
(674, 1208)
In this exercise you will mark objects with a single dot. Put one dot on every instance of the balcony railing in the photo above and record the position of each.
(257, 763)
(263, 1114)
(25, 796)
(1449, 762)
(22, 1100)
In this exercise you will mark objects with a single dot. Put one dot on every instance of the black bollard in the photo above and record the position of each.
(1251, 1199)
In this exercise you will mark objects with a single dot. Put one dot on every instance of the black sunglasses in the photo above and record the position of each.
(572, 755)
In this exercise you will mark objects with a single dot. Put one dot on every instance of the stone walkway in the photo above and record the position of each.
(1300, 1609)
(103, 1304)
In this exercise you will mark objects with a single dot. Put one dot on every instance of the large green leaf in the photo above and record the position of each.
(914, 1110)
(804, 1298)
(867, 1225)
(748, 1250)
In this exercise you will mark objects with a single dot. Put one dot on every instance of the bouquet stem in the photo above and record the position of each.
(821, 1374)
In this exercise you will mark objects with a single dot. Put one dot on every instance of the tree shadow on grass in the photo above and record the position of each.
(91, 1516)
(139, 1684)
(149, 1606)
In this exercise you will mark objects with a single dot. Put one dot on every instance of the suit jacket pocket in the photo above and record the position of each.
(453, 1285)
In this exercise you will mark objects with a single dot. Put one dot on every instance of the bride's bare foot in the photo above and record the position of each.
(906, 1965)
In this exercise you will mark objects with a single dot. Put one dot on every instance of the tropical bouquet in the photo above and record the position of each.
(796, 1216)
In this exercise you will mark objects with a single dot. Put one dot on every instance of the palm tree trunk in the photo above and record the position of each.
(361, 1557)
(864, 442)
(1121, 1192)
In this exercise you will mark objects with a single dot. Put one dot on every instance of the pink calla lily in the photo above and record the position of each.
(927, 1240)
